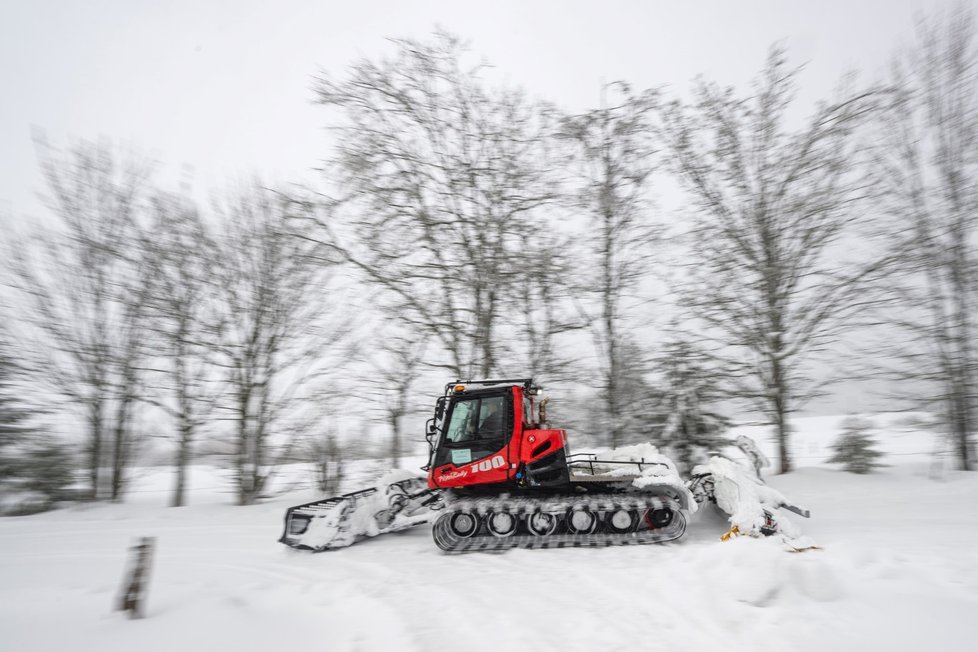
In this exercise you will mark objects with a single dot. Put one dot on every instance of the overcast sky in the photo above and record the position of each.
(219, 89)
(224, 87)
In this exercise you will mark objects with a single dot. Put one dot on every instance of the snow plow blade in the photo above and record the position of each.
(341, 521)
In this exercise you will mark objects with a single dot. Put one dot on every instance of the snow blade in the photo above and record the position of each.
(343, 520)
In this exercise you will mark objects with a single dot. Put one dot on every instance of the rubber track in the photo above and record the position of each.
(485, 541)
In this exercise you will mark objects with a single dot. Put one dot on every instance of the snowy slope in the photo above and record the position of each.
(898, 571)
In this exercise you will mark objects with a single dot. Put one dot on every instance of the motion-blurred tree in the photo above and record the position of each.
(83, 290)
(765, 276)
(543, 310)
(443, 179)
(614, 151)
(279, 331)
(328, 460)
(180, 259)
(397, 367)
(928, 170)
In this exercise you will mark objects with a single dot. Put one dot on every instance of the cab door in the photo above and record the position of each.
(474, 448)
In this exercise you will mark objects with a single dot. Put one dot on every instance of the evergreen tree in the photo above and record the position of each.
(637, 398)
(855, 448)
(31, 464)
(13, 418)
(692, 430)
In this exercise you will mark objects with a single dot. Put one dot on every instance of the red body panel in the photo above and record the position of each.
(525, 445)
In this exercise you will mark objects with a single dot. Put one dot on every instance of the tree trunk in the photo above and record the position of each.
(395, 450)
(178, 489)
(609, 291)
(183, 457)
(614, 411)
(779, 405)
(964, 381)
(120, 453)
(95, 453)
(242, 456)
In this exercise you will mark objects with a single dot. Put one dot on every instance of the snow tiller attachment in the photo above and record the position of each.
(739, 491)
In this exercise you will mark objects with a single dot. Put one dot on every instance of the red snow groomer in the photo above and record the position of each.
(498, 478)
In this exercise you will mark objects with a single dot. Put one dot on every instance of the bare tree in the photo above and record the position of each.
(614, 150)
(180, 255)
(130, 352)
(328, 461)
(279, 333)
(768, 277)
(81, 285)
(441, 179)
(398, 366)
(928, 167)
(544, 311)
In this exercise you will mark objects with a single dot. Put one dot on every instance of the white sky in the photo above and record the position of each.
(224, 87)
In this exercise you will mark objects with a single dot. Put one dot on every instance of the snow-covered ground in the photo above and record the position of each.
(898, 570)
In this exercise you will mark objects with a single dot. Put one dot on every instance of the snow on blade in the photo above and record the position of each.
(355, 517)
(660, 470)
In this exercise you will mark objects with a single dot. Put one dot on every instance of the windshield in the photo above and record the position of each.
(476, 419)
(476, 427)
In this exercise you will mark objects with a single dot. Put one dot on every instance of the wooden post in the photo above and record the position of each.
(136, 580)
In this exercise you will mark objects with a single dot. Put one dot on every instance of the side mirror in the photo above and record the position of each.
(440, 408)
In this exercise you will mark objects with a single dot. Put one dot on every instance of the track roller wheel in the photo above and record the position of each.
(464, 524)
(541, 524)
(581, 521)
(621, 521)
(656, 518)
(501, 524)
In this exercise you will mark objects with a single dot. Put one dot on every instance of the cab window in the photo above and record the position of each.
(478, 419)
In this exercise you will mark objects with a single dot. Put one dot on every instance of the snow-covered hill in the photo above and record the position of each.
(898, 571)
